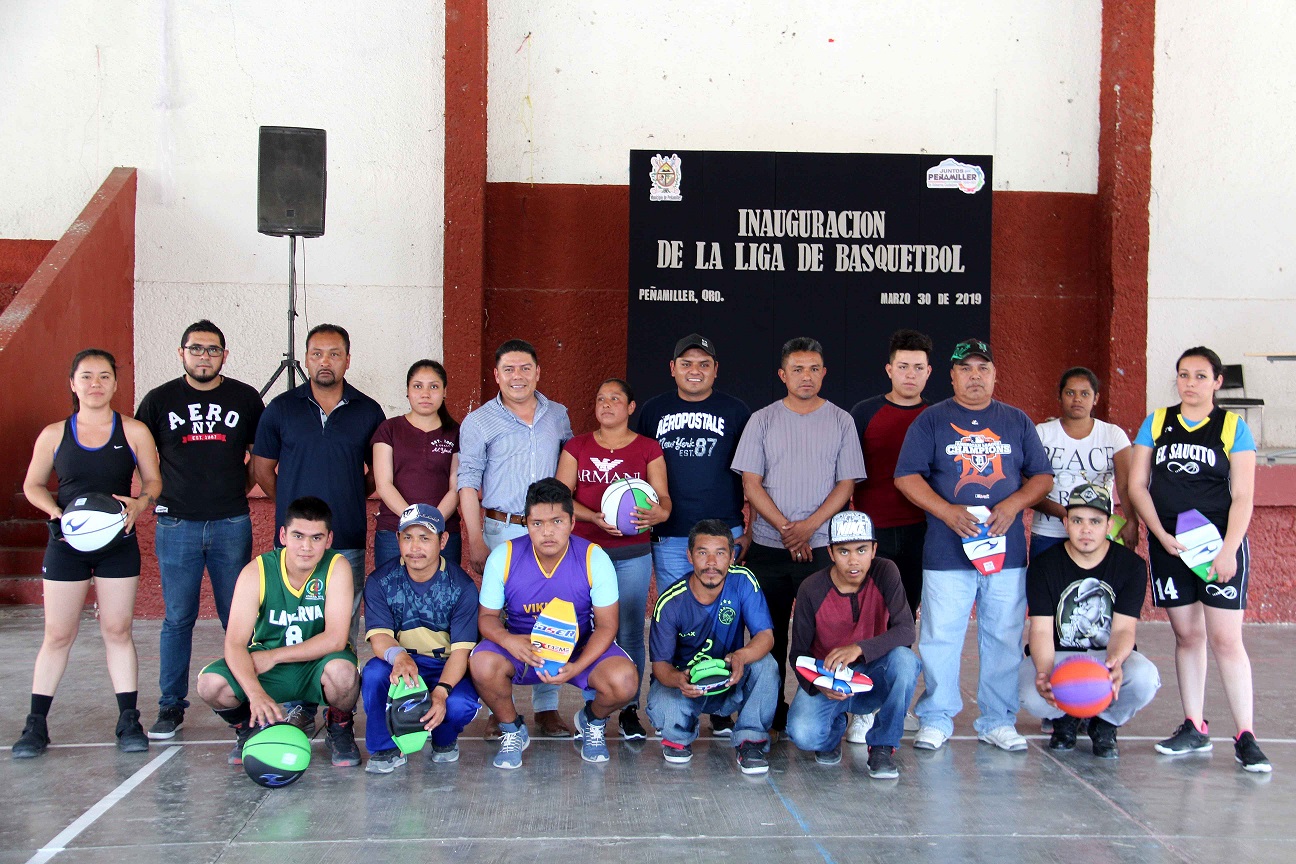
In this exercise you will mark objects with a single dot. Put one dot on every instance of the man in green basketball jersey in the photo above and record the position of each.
(287, 636)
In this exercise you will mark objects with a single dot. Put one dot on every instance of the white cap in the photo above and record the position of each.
(850, 526)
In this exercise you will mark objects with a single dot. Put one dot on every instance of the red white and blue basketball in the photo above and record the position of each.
(92, 521)
(620, 500)
(1082, 686)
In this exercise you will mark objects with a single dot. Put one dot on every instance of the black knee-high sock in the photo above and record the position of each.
(40, 704)
(127, 701)
(236, 716)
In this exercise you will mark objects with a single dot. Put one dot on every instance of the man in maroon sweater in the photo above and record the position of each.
(855, 613)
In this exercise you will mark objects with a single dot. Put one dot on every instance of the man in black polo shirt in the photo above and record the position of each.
(317, 435)
(203, 423)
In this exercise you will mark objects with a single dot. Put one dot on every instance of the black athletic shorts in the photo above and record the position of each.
(1173, 584)
(121, 560)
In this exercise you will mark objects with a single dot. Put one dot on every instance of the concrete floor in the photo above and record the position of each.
(84, 801)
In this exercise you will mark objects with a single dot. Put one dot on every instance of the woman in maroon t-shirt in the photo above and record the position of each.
(588, 464)
(416, 460)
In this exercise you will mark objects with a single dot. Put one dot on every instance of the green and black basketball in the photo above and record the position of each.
(277, 755)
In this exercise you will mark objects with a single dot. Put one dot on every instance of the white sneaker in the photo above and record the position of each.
(857, 732)
(1005, 738)
(929, 738)
(911, 723)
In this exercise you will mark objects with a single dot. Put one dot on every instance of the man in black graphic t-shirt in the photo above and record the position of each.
(204, 424)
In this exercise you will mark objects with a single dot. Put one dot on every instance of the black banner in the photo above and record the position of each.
(752, 249)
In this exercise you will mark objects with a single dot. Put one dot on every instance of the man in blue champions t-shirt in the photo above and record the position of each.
(421, 615)
(698, 429)
(701, 619)
(971, 451)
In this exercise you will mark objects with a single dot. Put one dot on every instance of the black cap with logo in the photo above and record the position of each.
(694, 340)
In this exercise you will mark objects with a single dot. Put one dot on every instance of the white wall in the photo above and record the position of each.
(177, 90)
(1014, 78)
(1222, 268)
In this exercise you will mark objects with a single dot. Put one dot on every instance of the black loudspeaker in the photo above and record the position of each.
(291, 181)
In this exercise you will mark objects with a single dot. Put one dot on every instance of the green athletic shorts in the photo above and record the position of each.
(287, 682)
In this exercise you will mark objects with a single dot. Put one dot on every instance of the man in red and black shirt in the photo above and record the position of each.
(882, 422)
(855, 613)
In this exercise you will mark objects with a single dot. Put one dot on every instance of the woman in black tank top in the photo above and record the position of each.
(94, 450)
(1193, 463)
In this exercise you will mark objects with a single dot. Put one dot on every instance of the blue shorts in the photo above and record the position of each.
(524, 675)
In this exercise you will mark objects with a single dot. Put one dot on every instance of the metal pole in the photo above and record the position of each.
(292, 311)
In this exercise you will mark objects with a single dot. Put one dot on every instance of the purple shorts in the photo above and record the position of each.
(526, 675)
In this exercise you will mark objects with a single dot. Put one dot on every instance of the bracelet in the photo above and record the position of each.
(447, 687)
(392, 653)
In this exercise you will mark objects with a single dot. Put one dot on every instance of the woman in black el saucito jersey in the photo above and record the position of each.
(1196, 456)
(94, 450)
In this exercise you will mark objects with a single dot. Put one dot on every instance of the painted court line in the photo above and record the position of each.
(86, 819)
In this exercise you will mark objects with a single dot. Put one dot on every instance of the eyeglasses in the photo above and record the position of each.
(200, 350)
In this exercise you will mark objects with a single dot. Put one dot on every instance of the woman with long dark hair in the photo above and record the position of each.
(1195, 456)
(94, 450)
(416, 461)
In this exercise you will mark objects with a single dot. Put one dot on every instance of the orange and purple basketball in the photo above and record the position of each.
(1082, 686)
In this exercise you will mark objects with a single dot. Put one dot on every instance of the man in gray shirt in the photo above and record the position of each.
(799, 459)
(504, 446)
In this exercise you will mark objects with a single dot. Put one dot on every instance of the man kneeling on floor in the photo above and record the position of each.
(287, 637)
(421, 614)
(854, 613)
(701, 620)
(1085, 596)
(523, 578)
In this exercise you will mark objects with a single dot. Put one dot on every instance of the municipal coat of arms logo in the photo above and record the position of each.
(665, 178)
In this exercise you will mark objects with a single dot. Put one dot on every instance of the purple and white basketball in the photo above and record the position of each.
(620, 500)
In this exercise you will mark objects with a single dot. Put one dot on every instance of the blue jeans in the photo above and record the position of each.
(948, 596)
(356, 558)
(634, 577)
(1040, 544)
(184, 548)
(375, 681)
(816, 722)
(676, 715)
(387, 547)
(544, 697)
(670, 559)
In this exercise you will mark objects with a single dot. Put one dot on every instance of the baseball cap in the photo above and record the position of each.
(694, 340)
(1090, 495)
(422, 514)
(969, 347)
(850, 526)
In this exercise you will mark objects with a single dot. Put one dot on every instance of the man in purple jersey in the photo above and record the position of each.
(521, 578)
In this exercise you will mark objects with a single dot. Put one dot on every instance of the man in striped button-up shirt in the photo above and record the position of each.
(504, 446)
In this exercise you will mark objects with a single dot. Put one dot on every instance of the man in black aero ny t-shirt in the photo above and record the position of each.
(204, 424)
(1085, 596)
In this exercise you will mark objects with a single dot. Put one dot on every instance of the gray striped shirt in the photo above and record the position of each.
(800, 458)
(501, 455)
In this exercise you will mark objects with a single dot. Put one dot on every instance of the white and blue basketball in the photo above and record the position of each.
(93, 521)
(620, 500)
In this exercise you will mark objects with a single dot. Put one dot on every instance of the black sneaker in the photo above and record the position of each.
(34, 739)
(342, 744)
(1103, 736)
(721, 725)
(751, 758)
(829, 757)
(676, 754)
(242, 732)
(303, 717)
(130, 734)
(631, 728)
(1245, 750)
(1186, 739)
(170, 719)
(880, 764)
(1063, 737)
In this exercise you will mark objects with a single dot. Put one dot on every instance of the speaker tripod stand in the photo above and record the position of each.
(289, 363)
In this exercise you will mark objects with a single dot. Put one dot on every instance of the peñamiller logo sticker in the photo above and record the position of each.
(665, 178)
(952, 174)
